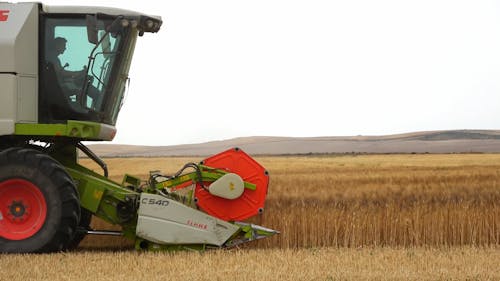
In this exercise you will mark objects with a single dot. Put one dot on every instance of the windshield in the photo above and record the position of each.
(81, 80)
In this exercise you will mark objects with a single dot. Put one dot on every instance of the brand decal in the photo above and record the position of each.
(197, 224)
(4, 15)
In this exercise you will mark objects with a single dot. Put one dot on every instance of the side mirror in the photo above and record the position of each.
(92, 29)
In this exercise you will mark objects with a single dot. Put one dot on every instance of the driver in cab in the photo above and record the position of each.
(70, 81)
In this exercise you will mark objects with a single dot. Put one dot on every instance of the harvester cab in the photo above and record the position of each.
(63, 74)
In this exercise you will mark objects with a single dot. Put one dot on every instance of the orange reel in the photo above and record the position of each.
(251, 202)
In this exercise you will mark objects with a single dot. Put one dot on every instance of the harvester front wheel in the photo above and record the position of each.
(81, 231)
(39, 206)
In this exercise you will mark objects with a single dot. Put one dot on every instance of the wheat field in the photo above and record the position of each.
(368, 200)
(341, 217)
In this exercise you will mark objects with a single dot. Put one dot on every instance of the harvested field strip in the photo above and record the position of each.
(462, 263)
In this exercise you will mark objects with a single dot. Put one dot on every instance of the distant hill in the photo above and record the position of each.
(457, 141)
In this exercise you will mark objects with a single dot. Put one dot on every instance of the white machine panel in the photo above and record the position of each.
(18, 65)
(165, 221)
(19, 38)
(8, 105)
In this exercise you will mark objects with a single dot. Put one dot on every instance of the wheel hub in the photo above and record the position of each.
(17, 210)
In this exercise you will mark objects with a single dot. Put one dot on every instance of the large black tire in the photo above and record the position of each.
(39, 205)
(81, 230)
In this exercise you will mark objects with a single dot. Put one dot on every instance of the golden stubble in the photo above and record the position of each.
(378, 263)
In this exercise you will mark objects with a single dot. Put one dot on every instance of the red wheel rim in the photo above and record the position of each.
(22, 209)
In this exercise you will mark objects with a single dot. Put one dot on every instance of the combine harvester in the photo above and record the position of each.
(48, 108)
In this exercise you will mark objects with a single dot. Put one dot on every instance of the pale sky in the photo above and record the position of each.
(225, 69)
